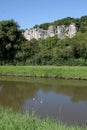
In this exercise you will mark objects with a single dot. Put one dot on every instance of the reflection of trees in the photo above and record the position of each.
(76, 89)
(14, 93)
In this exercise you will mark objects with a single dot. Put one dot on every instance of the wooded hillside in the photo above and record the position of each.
(14, 49)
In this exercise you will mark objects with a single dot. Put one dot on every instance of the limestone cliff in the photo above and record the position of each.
(61, 31)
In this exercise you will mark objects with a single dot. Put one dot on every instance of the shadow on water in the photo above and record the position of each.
(65, 100)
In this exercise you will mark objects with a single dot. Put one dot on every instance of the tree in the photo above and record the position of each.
(10, 40)
(83, 24)
(27, 51)
(44, 26)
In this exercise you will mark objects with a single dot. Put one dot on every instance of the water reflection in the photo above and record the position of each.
(60, 99)
(1, 88)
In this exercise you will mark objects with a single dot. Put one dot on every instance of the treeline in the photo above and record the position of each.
(53, 51)
(81, 23)
(14, 49)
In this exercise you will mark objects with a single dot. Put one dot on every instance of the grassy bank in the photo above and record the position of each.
(66, 72)
(16, 121)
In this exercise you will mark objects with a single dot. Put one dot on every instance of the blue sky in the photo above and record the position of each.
(28, 13)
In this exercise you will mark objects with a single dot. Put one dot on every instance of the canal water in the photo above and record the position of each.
(64, 100)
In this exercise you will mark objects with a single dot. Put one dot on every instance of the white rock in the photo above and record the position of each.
(51, 31)
(60, 31)
(72, 30)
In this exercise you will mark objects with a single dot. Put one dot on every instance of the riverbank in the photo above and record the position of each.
(61, 72)
(10, 120)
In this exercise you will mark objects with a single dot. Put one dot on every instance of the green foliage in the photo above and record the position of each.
(14, 49)
(44, 26)
(10, 40)
(15, 121)
(78, 72)
(27, 51)
(83, 24)
(65, 21)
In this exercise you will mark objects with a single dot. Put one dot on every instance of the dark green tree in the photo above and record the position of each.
(10, 40)
(27, 51)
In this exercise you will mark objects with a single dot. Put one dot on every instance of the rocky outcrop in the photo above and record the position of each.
(35, 33)
(61, 31)
(51, 32)
(71, 31)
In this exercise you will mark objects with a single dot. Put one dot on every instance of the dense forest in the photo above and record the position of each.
(16, 50)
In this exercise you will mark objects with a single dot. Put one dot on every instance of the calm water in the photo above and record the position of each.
(65, 100)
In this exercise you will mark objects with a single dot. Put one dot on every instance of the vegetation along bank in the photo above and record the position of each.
(16, 121)
(62, 72)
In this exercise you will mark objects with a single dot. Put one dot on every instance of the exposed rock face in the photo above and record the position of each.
(72, 30)
(51, 31)
(35, 33)
(60, 31)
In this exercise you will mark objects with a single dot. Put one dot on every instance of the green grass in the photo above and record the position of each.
(16, 121)
(75, 72)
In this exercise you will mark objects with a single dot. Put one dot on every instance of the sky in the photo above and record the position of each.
(28, 13)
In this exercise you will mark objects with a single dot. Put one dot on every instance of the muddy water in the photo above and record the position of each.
(65, 100)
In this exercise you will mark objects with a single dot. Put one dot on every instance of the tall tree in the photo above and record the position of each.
(10, 40)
